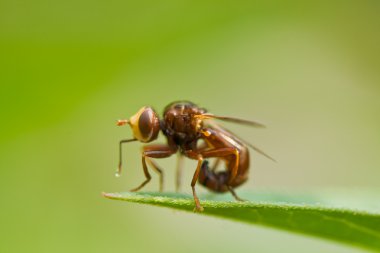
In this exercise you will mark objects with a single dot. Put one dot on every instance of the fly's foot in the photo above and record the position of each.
(198, 209)
(134, 189)
(141, 186)
(234, 194)
(239, 199)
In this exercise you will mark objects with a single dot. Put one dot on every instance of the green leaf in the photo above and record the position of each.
(297, 214)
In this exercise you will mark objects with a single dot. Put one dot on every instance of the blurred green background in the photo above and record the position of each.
(69, 69)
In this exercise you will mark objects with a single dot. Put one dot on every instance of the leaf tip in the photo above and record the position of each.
(110, 195)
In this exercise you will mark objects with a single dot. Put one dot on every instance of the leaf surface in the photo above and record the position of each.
(297, 214)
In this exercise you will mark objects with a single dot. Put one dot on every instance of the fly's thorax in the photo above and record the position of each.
(180, 124)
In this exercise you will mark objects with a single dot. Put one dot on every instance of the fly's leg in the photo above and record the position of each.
(225, 152)
(215, 165)
(198, 207)
(120, 154)
(196, 156)
(153, 151)
(179, 173)
(159, 171)
(221, 152)
(232, 191)
(146, 173)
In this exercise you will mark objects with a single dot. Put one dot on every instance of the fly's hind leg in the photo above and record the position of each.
(153, 151)
(225, 152)
(232, 191)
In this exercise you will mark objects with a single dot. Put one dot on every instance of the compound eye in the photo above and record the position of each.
(145, 124)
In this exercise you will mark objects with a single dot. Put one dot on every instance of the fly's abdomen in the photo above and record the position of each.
(214, 181)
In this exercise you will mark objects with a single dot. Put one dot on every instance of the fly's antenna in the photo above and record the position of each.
(122, 122)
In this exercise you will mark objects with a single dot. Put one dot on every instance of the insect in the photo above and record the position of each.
(185, 126)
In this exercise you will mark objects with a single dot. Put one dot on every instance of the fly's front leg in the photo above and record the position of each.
(153, 151)
(120, 154)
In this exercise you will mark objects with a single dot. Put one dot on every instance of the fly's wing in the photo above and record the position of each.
(218, 127)
(231, 119)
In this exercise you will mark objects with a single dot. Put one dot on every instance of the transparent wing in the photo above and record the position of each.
(231, 119)
(258, 150)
